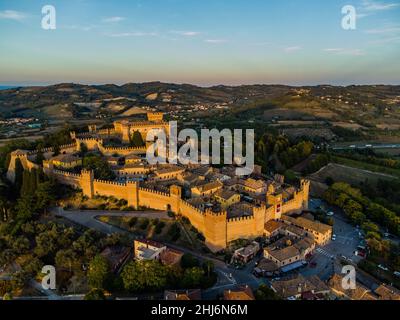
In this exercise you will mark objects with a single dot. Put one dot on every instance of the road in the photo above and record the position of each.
(88, 219)
(228, 278)
(363, 146)
(346, 243)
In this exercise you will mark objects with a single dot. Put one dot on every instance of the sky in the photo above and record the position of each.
(203, 42)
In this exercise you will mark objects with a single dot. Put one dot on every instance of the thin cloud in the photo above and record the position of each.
(369, 5)
(132, 34)
(186, 33)
(292, 49)
(342, 51)
(216, 41)
(113, 19)
(393, 30)
(12, 15)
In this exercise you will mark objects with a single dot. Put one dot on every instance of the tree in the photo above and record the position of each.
(137, 140)
(193, 278)
(40, 157)
(139, 276)
(99, 272)
(66, 259)
(95, 294)
(45, 195)
(266, 293)
(7, 296)
(19, 171)
(99, 166)
(188, 261)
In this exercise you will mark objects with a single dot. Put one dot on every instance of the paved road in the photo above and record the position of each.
(366, 146)
(347, 241)
(88, 218)
(228, 278)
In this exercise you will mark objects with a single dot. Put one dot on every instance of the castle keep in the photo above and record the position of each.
(166, 187)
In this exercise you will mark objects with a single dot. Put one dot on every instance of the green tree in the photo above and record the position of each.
(99, 272)
(193, 278)
(137, 140)
(139, 276)
(95, 294)
(266, 293)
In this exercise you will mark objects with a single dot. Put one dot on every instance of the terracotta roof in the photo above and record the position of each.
(298, 285)
(284, 254)
(242, 293)
(170, 257)
(193, 294)
(386, 292)
(273, 225)
(225, 194)
(308, 224)
(209, 186)
(360, 293)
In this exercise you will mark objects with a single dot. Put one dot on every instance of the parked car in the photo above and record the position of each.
(382, 267)
(330, 214)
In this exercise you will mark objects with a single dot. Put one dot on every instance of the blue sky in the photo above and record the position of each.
(203, 42)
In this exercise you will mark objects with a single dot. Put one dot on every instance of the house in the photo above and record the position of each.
(283, 257)
(359, 293)
(171, 257)
(169, 173)
(113, 161)
(253, 186)
(266, 268)
(386, 292)
(132, 159)
(321, 232)
(272, 228)
(247, 253)
(185, 295)
(241, 293)
(299, 287)
(116, 256)
(148, 250)
(227, 198)
(206, 189)
(66, 161)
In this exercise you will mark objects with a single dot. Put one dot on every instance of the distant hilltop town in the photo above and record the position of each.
(219, 204)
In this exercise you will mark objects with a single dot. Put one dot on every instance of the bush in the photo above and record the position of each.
(174, 232)
(132, 222)
(159, 228)
(144, 224)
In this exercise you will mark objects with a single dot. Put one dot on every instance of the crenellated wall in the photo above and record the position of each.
(217, 229)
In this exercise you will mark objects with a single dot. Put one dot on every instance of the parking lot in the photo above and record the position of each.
(326, 258)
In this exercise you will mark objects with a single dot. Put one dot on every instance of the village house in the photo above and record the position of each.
(300, 288)
(241, 293)
(66, 161)
(322, 233)
(148, 250)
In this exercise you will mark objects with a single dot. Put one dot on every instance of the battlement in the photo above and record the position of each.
(239, 219)
(67, 174)
(113, 183)
(165, 194)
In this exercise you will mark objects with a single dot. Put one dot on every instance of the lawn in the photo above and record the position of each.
(366, 166)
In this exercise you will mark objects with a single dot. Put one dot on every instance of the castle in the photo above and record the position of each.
(165, 187)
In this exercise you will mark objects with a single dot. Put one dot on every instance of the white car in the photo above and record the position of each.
(334, 237)
(383, 267)
(330, 214)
